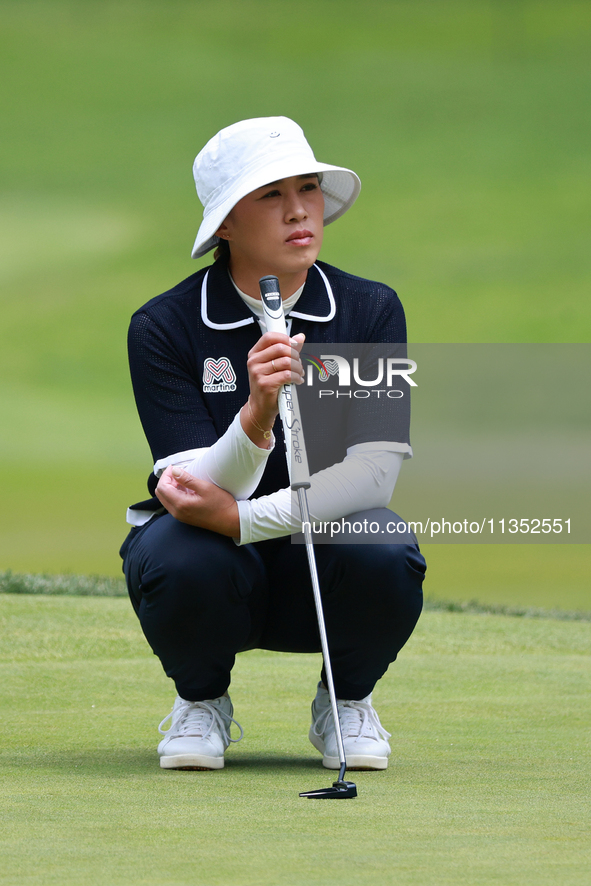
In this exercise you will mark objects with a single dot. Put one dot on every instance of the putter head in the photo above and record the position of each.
(340, 790)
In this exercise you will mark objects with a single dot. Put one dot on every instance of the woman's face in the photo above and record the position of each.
(277, 229)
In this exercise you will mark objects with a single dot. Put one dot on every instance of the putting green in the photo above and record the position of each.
(488, 784)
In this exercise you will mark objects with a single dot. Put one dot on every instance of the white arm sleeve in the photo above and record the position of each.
(364, 479)
(234, 462)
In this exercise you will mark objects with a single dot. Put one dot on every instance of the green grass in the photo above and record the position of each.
(488, 784)
(62, 585)
(70, 585)
(467, 121)
(469, 124)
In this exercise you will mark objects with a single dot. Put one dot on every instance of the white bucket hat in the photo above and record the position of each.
(249, 155)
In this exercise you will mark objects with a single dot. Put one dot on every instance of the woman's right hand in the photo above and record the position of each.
(273, 362)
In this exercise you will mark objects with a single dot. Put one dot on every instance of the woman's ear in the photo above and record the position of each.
(222, 232)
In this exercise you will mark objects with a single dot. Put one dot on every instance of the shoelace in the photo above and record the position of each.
(358, 719)
(197, 718)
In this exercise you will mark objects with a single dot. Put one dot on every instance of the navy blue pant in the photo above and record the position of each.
(200, 599)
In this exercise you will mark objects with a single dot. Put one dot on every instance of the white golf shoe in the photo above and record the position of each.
(198, 734)
(364, 737)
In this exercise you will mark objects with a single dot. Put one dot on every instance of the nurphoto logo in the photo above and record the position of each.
(388, 371)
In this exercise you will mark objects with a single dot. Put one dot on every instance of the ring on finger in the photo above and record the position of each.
(273, 365)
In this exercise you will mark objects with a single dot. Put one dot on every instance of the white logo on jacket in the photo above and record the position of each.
(218, 375)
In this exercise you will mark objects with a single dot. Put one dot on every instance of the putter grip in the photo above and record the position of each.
(272, 304)
(289, 410)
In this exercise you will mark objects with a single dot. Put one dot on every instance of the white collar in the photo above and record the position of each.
(247, 321)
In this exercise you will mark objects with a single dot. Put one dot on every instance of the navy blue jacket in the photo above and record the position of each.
(188, 350)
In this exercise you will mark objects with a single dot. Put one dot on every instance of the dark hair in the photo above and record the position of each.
(222, 250)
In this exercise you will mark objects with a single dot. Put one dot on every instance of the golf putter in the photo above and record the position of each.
(299, 478)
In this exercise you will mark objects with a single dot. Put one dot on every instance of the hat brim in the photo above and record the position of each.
(340, 187)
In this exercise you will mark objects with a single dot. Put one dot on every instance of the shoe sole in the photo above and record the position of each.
(357, 763)
(192, 761)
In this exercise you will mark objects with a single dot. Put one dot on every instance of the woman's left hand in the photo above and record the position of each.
(198, 502)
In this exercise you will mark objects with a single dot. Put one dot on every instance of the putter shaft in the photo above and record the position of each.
(299, 477)
(305, 514)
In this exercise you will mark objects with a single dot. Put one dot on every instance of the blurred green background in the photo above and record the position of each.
(468, 122)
